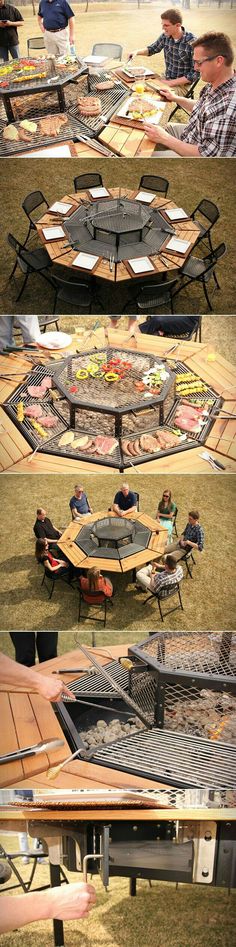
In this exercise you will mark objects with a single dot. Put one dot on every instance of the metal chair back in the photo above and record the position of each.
(155, 183)
(111, 50)
(83, 181)
(35, 42)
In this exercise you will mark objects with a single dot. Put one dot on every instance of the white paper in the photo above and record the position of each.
(141, 265)
(86, 260)
(61, 151)
(177, 213)
(94, 60)
(98, 192)
(180, 245)
(53, 233)
(60, 207)
(145, 196)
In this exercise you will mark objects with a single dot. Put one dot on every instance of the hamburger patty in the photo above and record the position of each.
(89, 105)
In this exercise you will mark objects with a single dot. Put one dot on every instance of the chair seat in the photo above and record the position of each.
(81, 296)
(153, 300)
(39, 259)
(194, 267)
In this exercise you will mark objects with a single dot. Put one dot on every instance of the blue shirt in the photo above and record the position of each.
(195, 533)
(178, 55)
(80, 504)
(55, 14)
(125, 503)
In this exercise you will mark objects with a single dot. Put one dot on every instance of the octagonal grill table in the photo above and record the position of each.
(85, 553)
(163, 261)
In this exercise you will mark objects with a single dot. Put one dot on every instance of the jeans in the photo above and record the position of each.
(26, 643)
(13, 50)
(28, 324)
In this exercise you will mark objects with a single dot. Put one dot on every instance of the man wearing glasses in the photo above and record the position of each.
(211, 130)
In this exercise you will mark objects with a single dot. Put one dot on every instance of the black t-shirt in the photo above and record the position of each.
(8, 34)
(125, 502)
(44, 529)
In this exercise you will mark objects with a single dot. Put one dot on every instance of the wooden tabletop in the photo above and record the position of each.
(154, 549)
(77, 149)
(16, 455)
(29, 718)
(162, 262)
(16, 820)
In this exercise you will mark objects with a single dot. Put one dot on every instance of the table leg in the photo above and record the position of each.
(55, 878)
(8, 109)
(132, 887)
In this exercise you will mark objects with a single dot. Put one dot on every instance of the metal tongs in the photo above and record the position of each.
(43, 747)
(215, 464)
(111, 262)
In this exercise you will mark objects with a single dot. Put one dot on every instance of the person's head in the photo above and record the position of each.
(170, 564)
(193, 517)
(212, 55)
(40, 548)
(78, 490)
(125, 489)
(41, 513)
(93, 576)
(171, 22)
(166, 499)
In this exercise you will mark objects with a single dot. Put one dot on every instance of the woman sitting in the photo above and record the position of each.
(95, 582)
(166, 511)
(52, 565)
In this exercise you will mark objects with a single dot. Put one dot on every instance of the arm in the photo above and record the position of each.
(161, 137)
(182, 80)
(72, 901)
(40, 23)
(71, 30)
(60, 562)
(116, 509)
(74, 512)
(132, 509)
(28, 679)
(11, 23)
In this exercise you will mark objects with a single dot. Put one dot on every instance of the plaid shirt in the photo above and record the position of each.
(195, 534)
(212, 125)
(166, 578)
(178, 55)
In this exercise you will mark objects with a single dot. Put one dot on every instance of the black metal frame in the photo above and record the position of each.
(99, 605)
(34, 88)
(160, 596)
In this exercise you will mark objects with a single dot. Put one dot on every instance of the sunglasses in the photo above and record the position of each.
(199, 62)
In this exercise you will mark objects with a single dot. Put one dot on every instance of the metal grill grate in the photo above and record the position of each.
(71, 129)
(210, 656)
(96, 686)
(110, 100)
(178, 760)
(105, 396)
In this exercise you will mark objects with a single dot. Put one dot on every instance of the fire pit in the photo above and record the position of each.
(123, 226)
(113, 407)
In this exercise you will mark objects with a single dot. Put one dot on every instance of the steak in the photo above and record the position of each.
(105, 445)
(46, 382)
(36, 391)
(33, 411)
(49, 420)
(148, 443)
(51, 126)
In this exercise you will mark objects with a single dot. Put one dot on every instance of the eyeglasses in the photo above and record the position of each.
(166, 496)
(199, 62)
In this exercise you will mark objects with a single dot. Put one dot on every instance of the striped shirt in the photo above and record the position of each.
(212, 125)
(194, 534)
(160, 579)
(178, 55)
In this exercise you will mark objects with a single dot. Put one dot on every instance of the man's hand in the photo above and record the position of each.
(72, 901)
(157, 134)
(51, 689)
(167, 94)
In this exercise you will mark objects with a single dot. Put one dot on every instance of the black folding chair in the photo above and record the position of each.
(29, 261)
(83, 181)
(198, 270)
(78, 295)
(155, 183)
(30, 203)
(187, 95)
(9, 860)
(189, 561)
(110, 50)
(35, 42)
(53, 578)
(174, 522)
(95, 600)
(154, 296)
(45, 321)
(209, 212)
(167, 591)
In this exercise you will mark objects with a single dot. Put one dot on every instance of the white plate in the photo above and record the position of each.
(181, 246)
(60, 208)
(145, 196)
(53, 233)
(61, 151)
(141, 265)
(86, 260)
(176, 213)
(55, 340)
(131, 72)
(126, 108)
(98, 192)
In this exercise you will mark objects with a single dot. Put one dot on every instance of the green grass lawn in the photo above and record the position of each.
(189, 182)
(160, 916)
(208, 599)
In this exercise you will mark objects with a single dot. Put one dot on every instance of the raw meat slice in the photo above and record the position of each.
(36, 391)
(33, 411)
(167, 439)
(46, 382)
(49, 421)
(148, 443)
(105, 445)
